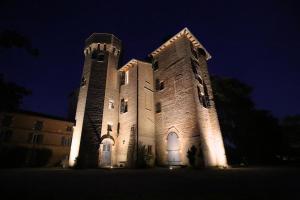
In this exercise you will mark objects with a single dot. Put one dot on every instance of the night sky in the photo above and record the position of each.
(254, 41)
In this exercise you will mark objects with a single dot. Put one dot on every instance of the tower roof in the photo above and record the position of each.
(107, 38)
(186, 33)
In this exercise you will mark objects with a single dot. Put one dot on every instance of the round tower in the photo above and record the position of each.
(97, 113)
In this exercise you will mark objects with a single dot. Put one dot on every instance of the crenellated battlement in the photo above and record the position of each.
(102, 47)
(102, 42)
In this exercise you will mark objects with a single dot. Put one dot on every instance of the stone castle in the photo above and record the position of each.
(154, 112)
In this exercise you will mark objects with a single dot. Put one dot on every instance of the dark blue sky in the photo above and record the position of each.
(254, 41)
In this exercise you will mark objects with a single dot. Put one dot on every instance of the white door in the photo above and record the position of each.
(173, 149)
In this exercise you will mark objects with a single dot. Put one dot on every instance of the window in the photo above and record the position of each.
(36, 138)
(100, 57)
(155, 65)
(38, 126)
(111, 104)
(199, 79)
(195, 65)
(109, 127)
(63, 141)
(69, 128)
(206, 102)
(124, 106)
(5, 135)
(127, 77)
(83, 82)
(200, 95)
(7, 121)
(118, 129)
(201, 52)
(149, 150)
(160, 85)
(124, 77)
(158, 107)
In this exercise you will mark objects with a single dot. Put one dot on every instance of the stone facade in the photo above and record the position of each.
(155, 112)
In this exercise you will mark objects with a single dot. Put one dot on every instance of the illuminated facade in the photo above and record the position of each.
(151, 111)
(34, 139)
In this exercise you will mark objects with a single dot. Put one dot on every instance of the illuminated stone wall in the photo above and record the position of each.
(139, 94)
(98, 80)
(187, 105)
(161, 101)
(178, 113)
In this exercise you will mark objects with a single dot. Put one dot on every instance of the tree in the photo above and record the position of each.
(11, 95)
(250, 135)
(11, 38)
(291, 134)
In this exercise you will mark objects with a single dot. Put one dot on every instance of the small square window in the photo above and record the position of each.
(160, 85)
(100, 57)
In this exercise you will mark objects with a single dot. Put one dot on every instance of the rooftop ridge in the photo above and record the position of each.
(184, 32)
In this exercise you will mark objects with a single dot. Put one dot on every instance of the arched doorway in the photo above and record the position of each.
(173, 149)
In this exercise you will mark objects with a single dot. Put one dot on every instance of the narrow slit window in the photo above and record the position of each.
(158, 107)
(109, 127)
(124, 77)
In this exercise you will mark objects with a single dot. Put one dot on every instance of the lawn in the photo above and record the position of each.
(159, 183)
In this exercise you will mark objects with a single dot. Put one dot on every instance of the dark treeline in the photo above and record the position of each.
(253, 136)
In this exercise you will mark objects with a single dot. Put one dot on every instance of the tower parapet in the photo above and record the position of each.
(103, 42)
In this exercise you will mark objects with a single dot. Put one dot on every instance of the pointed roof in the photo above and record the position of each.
(188, 34)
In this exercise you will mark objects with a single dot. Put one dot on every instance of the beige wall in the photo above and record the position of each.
(129, 119)
(146, 128)
(140, 102)
(53, 131)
